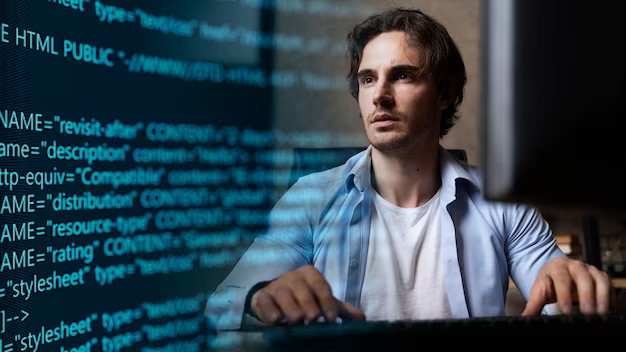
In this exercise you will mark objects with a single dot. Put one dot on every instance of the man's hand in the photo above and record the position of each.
(562, 280)
(299, 296)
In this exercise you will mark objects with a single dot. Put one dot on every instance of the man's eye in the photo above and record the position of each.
(403, 76)
(367, 80)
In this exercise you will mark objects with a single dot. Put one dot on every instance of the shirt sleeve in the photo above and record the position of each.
(529, 247)
(287, 245)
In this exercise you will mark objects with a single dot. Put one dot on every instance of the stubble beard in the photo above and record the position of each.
(399, 138)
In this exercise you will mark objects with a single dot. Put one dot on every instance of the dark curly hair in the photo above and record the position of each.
(439, 55)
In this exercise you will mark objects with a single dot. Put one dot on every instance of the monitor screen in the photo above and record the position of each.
(139, 157)
(555, 81)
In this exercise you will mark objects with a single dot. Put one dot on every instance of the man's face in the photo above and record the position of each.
(400, 109)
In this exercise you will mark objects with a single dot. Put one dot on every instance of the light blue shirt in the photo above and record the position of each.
(324, 220)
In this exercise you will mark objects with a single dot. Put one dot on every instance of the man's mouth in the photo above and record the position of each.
(383, 120)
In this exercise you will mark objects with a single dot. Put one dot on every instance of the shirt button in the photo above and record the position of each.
(353, 265)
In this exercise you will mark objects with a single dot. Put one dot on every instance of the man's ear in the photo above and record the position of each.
(444, 100)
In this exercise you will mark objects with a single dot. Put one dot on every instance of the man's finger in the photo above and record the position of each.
(288, 305)
(533, 307)
(541, 293)
(603, 290)
(324, 296)
(585, 286)
(347, 311)
(563, 286)
(308, 303)
(267, 309)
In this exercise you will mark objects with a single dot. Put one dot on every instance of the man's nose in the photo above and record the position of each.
(383, 95)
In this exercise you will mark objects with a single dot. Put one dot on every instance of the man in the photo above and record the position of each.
(401, 231)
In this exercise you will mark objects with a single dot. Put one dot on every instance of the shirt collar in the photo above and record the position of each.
(451, 170)
(360, 174)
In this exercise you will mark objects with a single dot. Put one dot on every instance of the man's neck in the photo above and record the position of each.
(407, 179)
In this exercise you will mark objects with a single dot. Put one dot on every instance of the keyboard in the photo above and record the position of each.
(541, 331)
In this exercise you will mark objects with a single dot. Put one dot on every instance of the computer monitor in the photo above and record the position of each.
(554, 75)
(139, 157)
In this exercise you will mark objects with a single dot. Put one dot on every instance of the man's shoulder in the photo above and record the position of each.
(334, 176)
(331, 179)
(468, 179)
(500, 215)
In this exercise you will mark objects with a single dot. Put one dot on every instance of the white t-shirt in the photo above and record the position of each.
(403, 275)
